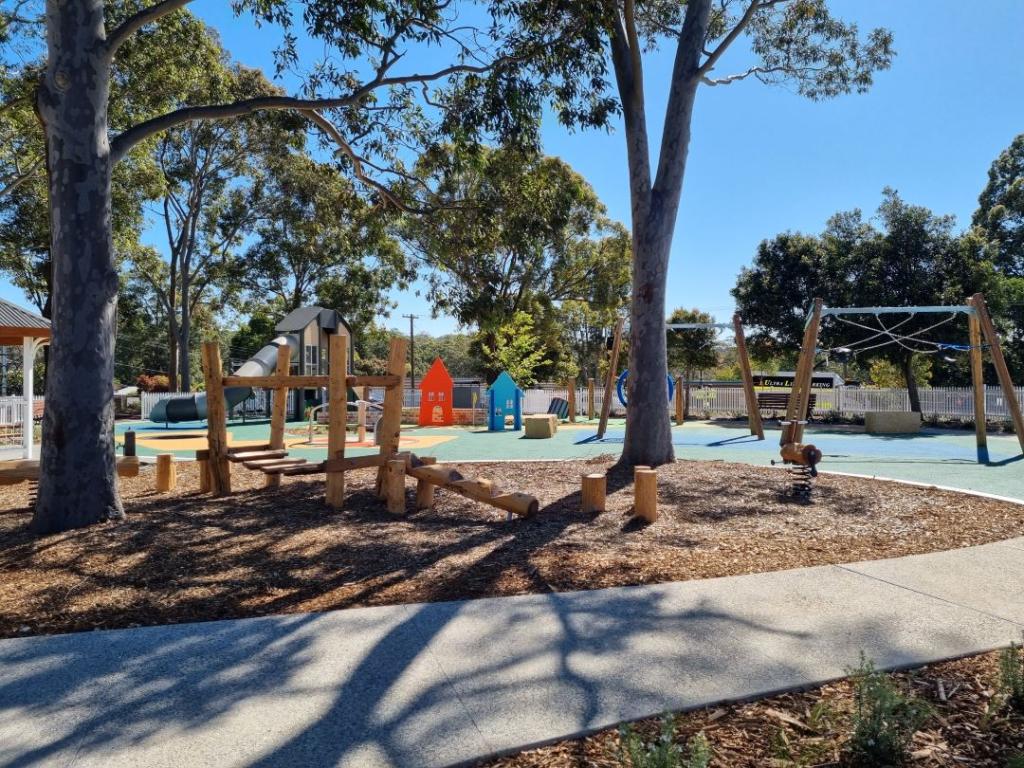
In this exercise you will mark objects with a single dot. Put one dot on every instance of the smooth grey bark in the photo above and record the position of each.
(77, 484)
(654, 207)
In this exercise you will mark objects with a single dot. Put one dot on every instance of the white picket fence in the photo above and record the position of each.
(705, 401)
(12, 410)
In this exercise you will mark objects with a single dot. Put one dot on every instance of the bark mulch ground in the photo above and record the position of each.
(184, 557)
(970, 725)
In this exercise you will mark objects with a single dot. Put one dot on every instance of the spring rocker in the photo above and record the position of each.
(272, 458)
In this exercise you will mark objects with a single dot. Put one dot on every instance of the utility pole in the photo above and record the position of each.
(412, 352)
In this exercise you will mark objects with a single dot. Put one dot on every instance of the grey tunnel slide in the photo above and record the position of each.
(193, 407)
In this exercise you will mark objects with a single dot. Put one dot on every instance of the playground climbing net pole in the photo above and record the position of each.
(753, 412)
(981, 336)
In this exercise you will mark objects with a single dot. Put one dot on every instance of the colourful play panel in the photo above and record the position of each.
(936, 456)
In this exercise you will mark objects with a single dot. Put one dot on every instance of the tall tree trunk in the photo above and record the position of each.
(648, 429)
(907, 363)
(78, 484)
(185, 337)
(172, 355)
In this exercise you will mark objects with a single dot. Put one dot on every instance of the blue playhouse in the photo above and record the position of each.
(504, 398)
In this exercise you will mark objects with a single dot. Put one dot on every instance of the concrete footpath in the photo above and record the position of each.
(448, 683)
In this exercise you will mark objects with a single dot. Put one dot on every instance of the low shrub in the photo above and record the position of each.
(1011, 676)
(637, 752)
(884, 720)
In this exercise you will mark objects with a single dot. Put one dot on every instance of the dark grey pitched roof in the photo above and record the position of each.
(303, 316)
(13, 316)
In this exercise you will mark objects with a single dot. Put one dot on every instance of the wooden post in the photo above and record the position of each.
(800, 392)
(590, 399)
(594, 493)
(680, 410)
(645, 494)
(977, 380)
(424, 489)
(279, 410)
(609, 382)
(753, 412)
(394, 486)
(389, 426)
(204, 475)
(361, 414)
(216, 420)
(337, 416)
(988, 330)
(570, 386)
(166, 474)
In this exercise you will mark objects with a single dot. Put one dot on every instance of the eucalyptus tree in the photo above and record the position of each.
(360, 96)
(1000, 213)
(691, 350)
(513, 231)
(318, 237)
(211, 187)
(797, 43)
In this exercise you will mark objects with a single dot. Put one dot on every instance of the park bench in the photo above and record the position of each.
(775, 402)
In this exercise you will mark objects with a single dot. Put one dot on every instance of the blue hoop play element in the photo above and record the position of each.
(622, 380)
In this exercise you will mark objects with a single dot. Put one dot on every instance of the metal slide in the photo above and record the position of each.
(193, 407)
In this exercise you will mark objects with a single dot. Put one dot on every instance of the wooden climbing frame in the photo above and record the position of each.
(272, 458)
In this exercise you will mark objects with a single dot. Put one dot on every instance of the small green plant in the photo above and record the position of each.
(1017, 761)
(802, 752)
(636, 752)
(1011, 676)
(884, 720)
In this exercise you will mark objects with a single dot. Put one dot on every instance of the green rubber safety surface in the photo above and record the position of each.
(935, 456)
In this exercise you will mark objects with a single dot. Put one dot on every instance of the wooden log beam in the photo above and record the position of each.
(216, 420)
(609, 381)
(354, 462)
(23, 470)
(747, 374)
(272, 462)
(337, 417)
(243, 456)
(389, 426)
(309, 382)
(279, 409)
(977, 380)
(800, 392)
(995, 350)
(520, 504)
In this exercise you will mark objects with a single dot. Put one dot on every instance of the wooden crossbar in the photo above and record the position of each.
(309, 382)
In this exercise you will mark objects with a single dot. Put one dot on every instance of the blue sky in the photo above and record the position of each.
(764, 160)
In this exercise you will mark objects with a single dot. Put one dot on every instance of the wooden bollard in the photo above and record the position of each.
(204, 475)
(394, 486)
(166, 473)
(425, 490)
(129, 442)
(594, 493)
(645, 494)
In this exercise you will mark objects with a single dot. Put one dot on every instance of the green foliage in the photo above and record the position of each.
(1000, 213)
(913, 258)
(806, 752)
(516, 349)
(690, 351)
(884, 720)
(637, 752)
(1011, 676)
(1016, 761)
(886, 375)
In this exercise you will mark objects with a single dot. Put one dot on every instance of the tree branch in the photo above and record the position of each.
(736, 31)
(12, 185)
(121, 145)
(133, 24)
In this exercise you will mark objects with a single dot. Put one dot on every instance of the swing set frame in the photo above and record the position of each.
(746, 373)
(981, 333)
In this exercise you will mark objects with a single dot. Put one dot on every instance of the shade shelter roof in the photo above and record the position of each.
(17, 324)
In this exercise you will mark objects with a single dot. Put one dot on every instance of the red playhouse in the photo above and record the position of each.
(436, 397)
